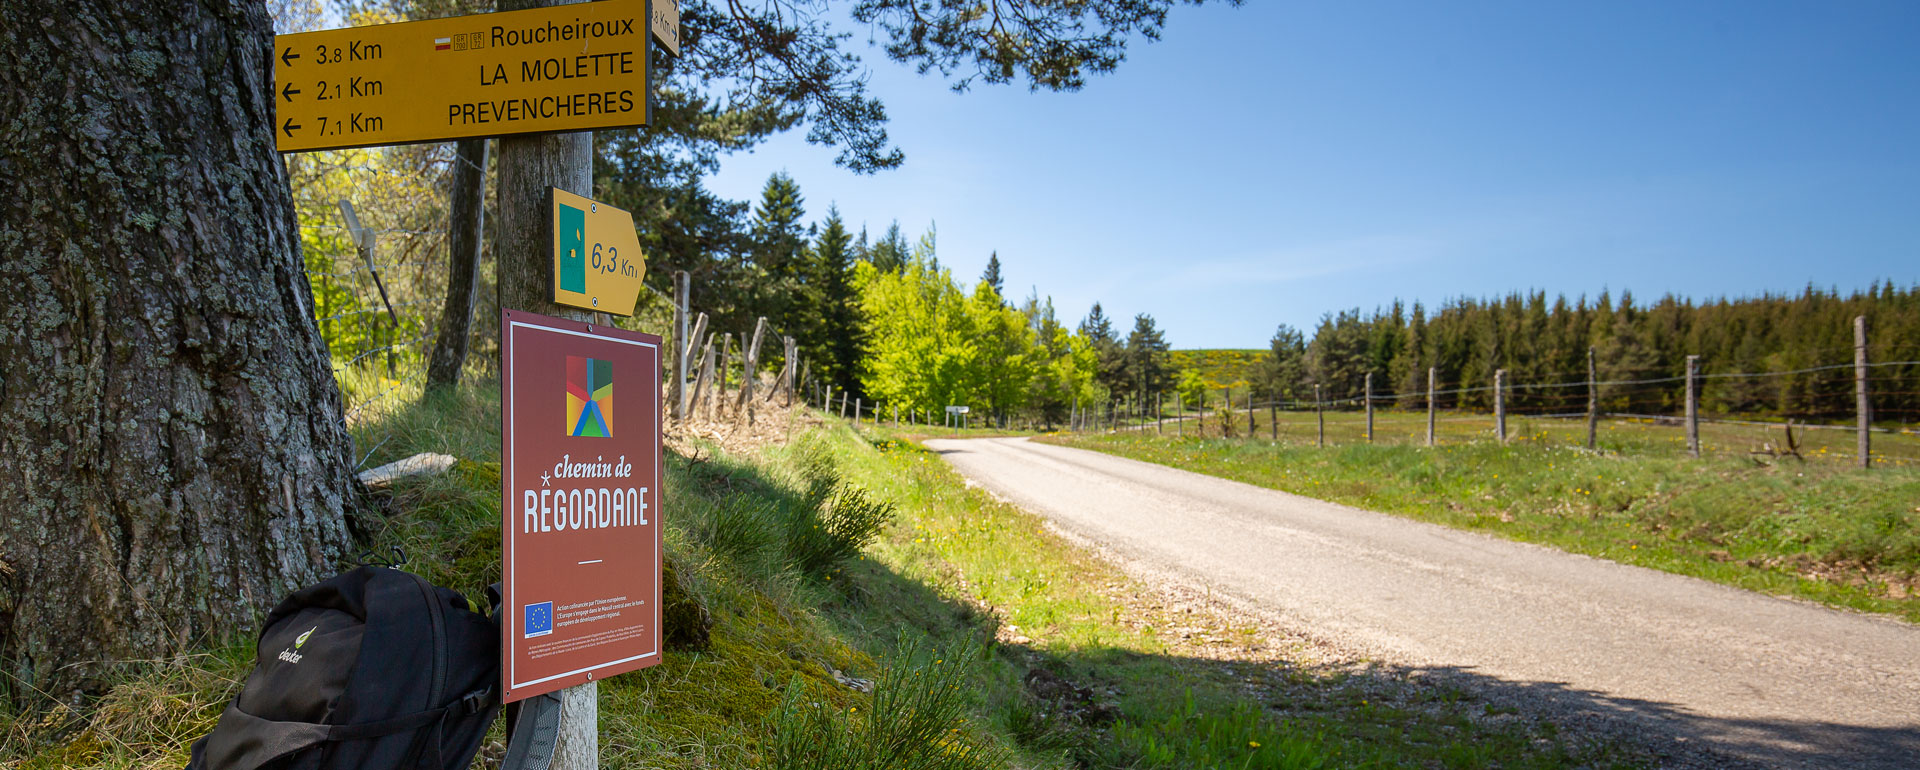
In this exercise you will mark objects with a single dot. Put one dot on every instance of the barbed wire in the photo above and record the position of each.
(1815, 402)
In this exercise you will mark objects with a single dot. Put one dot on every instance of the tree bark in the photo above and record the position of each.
(172, 453)
(468, 217)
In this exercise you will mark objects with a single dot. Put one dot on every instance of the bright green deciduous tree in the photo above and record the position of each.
(921, 345)
(1063, 367)
(1005, 367)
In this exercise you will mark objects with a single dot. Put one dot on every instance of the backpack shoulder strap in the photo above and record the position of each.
(533, 729)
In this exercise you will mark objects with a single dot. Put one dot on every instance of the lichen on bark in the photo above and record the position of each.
(172, 454)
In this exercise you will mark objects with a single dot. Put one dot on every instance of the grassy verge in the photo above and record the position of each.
(1820, 531)
(868, 611)
(1117, 678)
(789, 676)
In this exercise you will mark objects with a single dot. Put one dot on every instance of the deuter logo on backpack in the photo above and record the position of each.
(292, 654)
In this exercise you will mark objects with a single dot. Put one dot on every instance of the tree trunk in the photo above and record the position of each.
(468, 216)
(172, 455)
(528, 166)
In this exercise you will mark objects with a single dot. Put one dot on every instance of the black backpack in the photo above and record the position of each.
(373, 668)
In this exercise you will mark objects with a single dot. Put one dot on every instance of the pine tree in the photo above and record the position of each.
(1108, 352)
(1283, 372)
(838, 346)
(891, 253)
(776, 230)
(782, 279)
(992, 275)
(1146, 357)
(1410, 367)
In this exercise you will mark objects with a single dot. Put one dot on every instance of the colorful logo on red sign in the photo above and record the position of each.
(589, 397)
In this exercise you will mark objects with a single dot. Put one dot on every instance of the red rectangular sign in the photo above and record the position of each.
(579, 506)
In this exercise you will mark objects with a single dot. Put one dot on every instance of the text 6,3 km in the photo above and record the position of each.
(610, 262)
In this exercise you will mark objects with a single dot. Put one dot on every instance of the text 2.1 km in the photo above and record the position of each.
(575, 67)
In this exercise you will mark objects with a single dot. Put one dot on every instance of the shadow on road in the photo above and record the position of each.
(1768, 743)
(1371, 704)
(1433, 715)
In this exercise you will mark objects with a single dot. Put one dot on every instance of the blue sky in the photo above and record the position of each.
(1271, 163)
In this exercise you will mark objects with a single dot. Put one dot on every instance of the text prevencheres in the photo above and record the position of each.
(510, 110)
(558, 510)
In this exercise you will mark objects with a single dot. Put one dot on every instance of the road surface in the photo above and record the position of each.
(1780, 682)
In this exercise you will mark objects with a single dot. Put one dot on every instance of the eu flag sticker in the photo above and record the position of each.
(539, 619)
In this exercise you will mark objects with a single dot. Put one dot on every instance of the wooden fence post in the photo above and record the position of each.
(1693, 406)
(1179, 416)
(696, 336)
(1273, 416)
(749, 371)
(1369, 397)
(856, 412)
(789, 352)
(720, 372)
(1433, 375)
(1250, 425)
(1500, 404)
(1593, 403)
(1863, 405)
(1320, 436)
(682, 347)
(706, 375)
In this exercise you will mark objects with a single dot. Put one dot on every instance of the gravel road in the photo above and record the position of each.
(1778, 682)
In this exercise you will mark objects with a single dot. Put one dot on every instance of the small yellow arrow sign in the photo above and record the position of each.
(597, 262)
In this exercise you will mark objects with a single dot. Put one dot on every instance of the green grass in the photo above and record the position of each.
(785, 626)
(1823, 531)
(987, 642)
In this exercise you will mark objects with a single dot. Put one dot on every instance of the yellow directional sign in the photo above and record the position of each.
(566, 68)
(596, 254)
(666, 24)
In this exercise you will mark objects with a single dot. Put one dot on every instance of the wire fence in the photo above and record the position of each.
(1685, 415)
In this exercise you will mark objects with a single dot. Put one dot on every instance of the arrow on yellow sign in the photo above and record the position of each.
(597, 262)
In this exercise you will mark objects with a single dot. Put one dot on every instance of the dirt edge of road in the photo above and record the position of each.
(1201, 622)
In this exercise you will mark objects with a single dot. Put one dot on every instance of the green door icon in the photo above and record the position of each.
(572, 224)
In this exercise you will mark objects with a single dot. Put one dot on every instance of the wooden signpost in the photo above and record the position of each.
(548, 75)
(572, 67)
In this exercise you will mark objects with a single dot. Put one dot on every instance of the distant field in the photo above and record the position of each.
(1220, 367)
